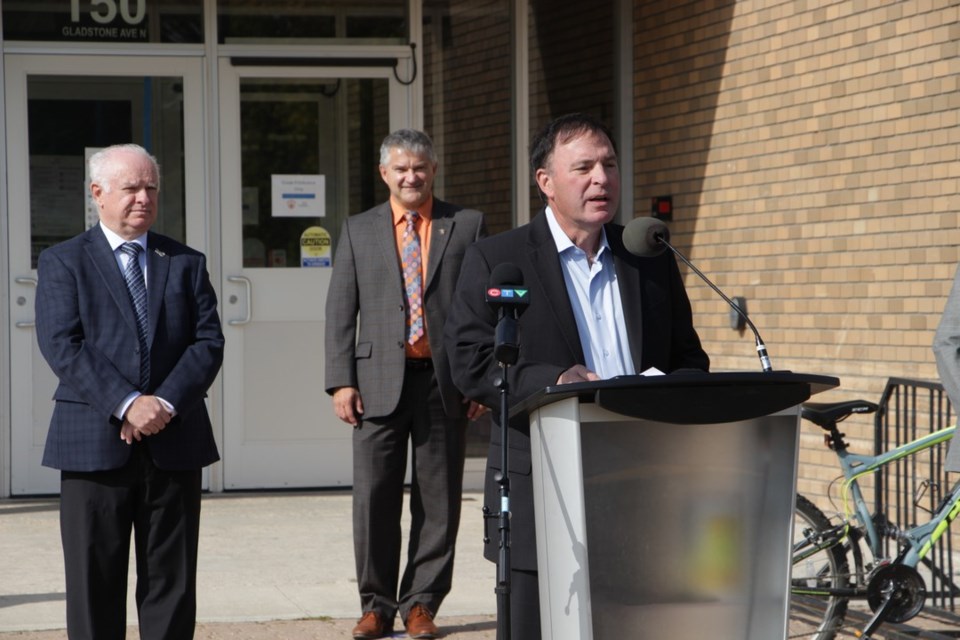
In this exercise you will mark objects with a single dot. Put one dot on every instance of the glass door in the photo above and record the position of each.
(299, 152)
(59, 112)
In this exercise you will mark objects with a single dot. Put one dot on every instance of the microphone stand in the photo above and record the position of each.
(503, 479)
(506, 351)
(761, 347)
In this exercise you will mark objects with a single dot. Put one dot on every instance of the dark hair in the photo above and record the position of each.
(560, 130)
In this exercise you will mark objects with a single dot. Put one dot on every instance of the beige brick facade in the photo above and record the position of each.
(811, 148)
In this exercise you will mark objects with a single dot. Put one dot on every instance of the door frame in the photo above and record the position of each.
(229, 77)
(17, 68)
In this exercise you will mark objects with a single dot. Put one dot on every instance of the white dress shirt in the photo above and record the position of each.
(122, 258)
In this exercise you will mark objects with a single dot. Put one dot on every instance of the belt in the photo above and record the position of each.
(419, 364)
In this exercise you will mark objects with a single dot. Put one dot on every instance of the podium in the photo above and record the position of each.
(664, 504)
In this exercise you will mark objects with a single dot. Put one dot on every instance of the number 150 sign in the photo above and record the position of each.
(105, 11)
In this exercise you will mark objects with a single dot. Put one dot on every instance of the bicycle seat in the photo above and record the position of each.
(826, 414)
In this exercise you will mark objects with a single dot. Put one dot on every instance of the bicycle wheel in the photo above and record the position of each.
(814, 614)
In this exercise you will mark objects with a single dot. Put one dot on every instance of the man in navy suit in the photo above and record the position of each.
(130, 434)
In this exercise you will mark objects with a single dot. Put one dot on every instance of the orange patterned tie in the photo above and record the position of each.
(410, 259)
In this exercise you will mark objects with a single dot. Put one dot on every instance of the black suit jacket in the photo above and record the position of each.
(656, 312)
(87, 332)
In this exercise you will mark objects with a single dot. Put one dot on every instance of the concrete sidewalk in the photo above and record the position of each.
(272, 565)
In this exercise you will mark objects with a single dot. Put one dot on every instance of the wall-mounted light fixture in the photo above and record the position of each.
(737, 321)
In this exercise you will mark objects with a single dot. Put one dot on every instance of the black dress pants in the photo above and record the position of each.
(98, 510)
(524, 605)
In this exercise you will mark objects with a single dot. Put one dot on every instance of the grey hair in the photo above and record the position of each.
(98, 167)
(415, 142)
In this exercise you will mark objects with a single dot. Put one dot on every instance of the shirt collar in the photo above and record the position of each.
(398, 210)
(115, 240)
(563, 242)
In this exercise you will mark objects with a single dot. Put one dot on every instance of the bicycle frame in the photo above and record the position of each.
(919, 539)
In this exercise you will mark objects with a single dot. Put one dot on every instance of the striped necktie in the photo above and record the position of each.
(138, 296)
(410, 260)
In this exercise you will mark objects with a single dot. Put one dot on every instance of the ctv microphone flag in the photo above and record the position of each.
(508, 296)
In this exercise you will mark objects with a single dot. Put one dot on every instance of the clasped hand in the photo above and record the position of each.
(146, 416)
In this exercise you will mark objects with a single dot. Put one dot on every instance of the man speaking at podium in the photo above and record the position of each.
(595, 311)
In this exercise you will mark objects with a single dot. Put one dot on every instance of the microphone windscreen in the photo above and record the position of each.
(506, 273)
(642, 236)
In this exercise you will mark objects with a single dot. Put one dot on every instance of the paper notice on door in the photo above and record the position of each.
(298, 196)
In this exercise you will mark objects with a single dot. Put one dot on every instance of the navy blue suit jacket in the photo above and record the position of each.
(87, 332)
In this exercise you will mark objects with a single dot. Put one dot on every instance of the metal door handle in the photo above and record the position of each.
(25, 324)
(249, 306)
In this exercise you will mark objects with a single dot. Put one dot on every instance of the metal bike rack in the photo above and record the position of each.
(909, 490)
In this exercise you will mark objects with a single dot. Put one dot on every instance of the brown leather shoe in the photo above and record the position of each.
(372, 625)
(419, 623)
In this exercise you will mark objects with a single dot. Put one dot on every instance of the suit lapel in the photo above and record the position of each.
(441, 228)
(387, 240)
(628, 270)
(158, 267)
(542, 253)
(105, 263)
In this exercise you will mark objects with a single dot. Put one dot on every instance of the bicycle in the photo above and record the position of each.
(822, 581)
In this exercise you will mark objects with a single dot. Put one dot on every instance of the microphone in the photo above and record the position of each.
(506, 290)
(648, 237)
(509, 298)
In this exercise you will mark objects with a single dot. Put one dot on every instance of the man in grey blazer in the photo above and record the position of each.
(130, 431)
(394, 273)
(946, 349)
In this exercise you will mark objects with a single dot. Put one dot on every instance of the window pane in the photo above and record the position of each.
(71, 116)
(316, 131)
(286, 21)
(166, 21)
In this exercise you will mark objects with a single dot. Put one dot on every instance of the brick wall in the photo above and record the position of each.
(571, 64)
(811, 148)
(466, 75)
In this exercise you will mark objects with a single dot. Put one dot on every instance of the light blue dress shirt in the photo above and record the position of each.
(595, 298)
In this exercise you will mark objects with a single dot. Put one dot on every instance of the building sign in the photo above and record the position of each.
(108, 20)
(104, 21)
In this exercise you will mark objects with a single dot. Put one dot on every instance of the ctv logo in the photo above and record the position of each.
(518, 295)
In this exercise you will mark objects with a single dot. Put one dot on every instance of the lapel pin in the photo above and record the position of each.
(160, 253)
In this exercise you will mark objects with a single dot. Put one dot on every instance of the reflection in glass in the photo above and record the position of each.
(311, 128)
(71, 116)
(368, 21)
